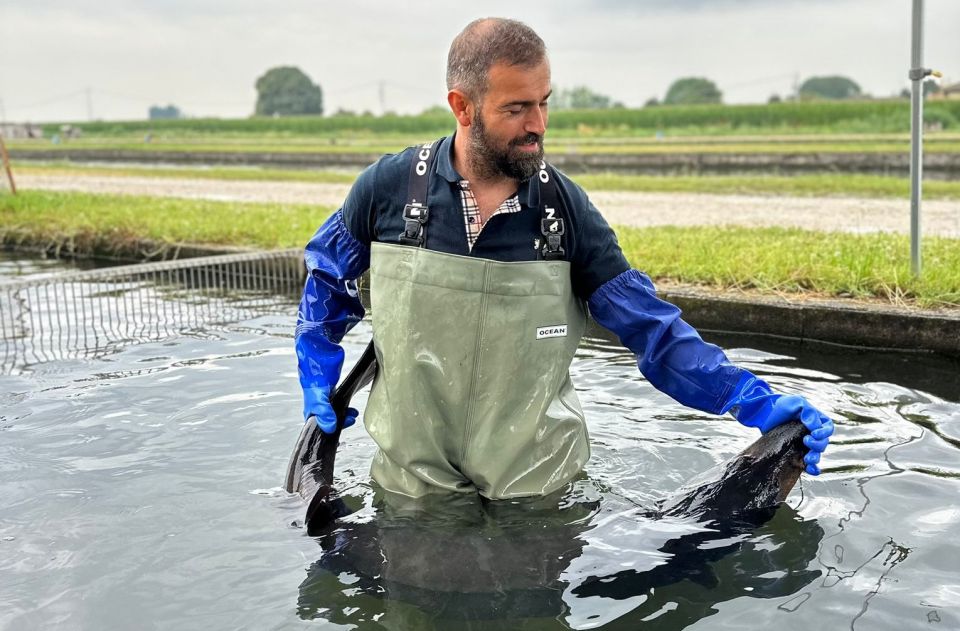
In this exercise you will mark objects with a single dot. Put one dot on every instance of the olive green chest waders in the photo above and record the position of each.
(473, 392)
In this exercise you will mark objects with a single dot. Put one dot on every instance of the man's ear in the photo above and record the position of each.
(461, 106)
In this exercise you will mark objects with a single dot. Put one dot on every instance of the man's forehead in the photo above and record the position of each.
(515, 78)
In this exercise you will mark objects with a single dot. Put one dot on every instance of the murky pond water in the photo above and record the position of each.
(141, 489)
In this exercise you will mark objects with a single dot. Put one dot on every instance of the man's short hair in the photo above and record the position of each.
(486, 42)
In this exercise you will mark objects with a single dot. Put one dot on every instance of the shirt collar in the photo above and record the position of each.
(528, 189)
(445, 160)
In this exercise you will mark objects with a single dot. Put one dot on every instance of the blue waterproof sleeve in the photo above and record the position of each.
(329, 308)
(670, 352)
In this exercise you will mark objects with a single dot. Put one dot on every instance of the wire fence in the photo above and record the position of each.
(91, 313)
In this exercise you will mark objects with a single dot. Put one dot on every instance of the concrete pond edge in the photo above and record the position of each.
(842, 322)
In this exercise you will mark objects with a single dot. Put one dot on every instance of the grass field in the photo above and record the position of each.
(376, 145)
(857, 117)
(845, 265)
(804, 127)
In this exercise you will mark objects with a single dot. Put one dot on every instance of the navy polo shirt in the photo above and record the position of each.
(373, 211)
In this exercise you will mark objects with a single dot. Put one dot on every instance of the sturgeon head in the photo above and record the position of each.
(757, 479)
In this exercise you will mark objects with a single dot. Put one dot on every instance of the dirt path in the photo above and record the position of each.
(634, 209)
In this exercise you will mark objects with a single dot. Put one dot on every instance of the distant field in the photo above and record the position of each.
(838, 117)
(895, 143)
(830, 127)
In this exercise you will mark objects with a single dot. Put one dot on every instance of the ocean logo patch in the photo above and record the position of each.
(557, 330)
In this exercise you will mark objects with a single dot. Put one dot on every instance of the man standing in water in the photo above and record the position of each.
(482, 260)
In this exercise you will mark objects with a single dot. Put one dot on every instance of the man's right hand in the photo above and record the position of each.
(326, 418)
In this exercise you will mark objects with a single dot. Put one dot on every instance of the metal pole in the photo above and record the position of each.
(917, 74)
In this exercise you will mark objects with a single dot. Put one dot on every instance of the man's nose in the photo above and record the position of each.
(537, 122)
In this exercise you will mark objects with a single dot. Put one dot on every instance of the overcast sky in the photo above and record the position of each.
(205, 55)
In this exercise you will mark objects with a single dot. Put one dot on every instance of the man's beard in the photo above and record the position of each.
(489, 161)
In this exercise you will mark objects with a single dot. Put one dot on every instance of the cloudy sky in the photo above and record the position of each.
(112, 59)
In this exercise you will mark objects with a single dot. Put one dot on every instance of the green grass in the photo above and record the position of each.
(555, 144)
(821, 185)
(781, 260)
(91, 222)
(825, 185)
(888, 115)
(202, 173)
(793, 260)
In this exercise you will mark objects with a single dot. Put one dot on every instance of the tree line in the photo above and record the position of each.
(288, 91)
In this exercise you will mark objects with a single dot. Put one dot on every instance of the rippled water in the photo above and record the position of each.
(141, 489)
(15, 266)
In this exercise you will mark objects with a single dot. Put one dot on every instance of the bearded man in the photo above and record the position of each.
(483, 262)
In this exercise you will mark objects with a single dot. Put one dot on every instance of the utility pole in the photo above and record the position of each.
(917, 75)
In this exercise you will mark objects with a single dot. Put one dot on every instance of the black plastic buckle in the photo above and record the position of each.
(416, 212)
(552, 250)
(414, 217)
(550, 227)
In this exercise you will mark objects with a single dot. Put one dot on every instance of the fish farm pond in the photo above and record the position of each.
(142, 461)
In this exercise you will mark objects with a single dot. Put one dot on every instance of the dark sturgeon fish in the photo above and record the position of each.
(757, 479)
(310, 471)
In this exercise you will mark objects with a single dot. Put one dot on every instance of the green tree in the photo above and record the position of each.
(692, 91)
(831, 87)
(929, 87)
(157, 112)
(580, 98)
(434, 110)
(287, 91)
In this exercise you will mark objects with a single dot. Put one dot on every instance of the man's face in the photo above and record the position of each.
(506, 136)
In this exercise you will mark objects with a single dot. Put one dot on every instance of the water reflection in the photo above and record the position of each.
(569, 561)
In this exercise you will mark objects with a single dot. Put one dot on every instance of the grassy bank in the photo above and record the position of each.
(795, 261)
(89, 223)
(833, 264)
(67, 169)
(820, 185)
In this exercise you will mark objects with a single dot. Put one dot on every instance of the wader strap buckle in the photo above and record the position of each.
(551, 226)
(414, 218)
(415, 213)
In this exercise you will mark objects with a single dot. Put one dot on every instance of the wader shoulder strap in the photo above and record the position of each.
(551, 211)
(415, 212)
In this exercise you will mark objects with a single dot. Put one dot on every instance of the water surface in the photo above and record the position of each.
(141, 489)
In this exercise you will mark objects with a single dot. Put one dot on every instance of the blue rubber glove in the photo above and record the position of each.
(754, 404)
(323, 413)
